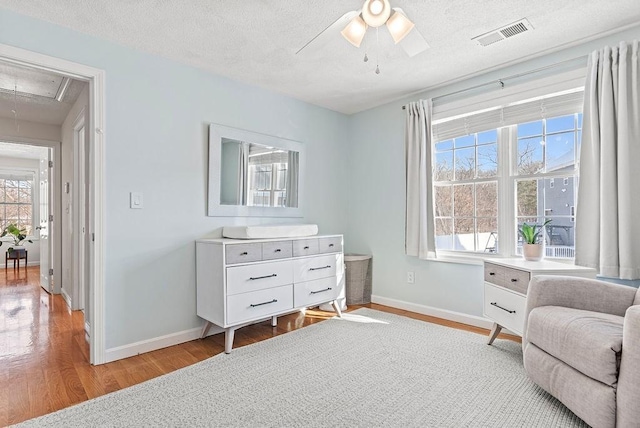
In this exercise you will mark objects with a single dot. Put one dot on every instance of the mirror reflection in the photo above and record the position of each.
(257, 175)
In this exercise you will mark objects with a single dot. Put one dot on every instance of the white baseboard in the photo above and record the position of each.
(148, 345)
(66, 297)
(434, 312)
(33, 263)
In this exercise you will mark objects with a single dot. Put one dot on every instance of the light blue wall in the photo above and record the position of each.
(156, 143)
(377, 198)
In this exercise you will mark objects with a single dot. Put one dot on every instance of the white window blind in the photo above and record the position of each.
(520, 112)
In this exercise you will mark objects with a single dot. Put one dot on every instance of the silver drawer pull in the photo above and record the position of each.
(263, 277)
(492, 273)
(320, 268)
(244, 254)
(514, 280)
(306, 248)
(277, 250)
(500, 307)
(321, 291)
(330, 245)
(263, 303)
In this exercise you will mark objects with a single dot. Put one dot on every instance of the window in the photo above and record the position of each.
(488, 182)
(16, 201)
(268, 178)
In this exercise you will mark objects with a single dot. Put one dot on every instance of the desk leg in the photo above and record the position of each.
(336, 306)
(495, 331)
(228, 339)
(274, 321)
(205, 329)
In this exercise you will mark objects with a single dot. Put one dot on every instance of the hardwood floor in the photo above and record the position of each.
(44, 354)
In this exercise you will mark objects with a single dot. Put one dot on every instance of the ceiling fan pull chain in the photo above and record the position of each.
(377, 53)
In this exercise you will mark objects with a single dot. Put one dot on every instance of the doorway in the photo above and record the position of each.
(84, 235)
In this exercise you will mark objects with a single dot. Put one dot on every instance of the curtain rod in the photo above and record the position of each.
(514, 76)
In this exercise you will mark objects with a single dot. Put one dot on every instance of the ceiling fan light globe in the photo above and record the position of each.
(354, 31)
(376, 12)
(399, 26)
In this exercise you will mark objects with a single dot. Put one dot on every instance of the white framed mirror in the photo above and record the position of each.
(253, 174)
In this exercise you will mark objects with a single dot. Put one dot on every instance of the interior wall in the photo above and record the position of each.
(28, 130)
(157, 115)
(33, 248)
(377, 198)
(67, 136)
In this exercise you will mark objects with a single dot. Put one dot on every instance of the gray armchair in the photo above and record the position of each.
(581, 344)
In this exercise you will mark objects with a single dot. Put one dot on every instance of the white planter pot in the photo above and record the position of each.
(533, 252)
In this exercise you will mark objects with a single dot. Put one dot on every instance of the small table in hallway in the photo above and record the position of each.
(16, 255)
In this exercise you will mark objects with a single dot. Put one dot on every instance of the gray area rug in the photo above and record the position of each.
(366, 370)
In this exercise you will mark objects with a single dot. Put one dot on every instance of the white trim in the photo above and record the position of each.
(96, 79)
(148, 345)
(66, 298)
(34, 263)
(74, 193)
(434, 312)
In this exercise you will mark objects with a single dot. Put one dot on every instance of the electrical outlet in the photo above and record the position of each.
(411, 277)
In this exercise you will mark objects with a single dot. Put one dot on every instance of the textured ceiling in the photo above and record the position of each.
(255, 41)
(34, 96)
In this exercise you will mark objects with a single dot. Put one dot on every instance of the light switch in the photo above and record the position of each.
(135, 200)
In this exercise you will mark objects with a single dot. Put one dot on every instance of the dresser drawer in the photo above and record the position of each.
(256, 304)
(242, 279)
(330, 245)
(504, 307)
(277, 250)
(507, 277)
(241, 253)
(305, 247)
(314, 292)
(311, 268)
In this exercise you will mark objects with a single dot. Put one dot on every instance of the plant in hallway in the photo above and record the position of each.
(532, 245)
(14, 236)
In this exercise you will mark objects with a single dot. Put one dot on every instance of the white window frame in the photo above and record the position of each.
(35, 196)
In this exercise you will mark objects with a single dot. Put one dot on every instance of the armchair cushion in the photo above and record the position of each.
(590, 342)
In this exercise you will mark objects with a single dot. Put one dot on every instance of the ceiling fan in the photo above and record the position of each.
(353, 26)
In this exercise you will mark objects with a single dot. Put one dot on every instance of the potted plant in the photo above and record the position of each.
(532, 245)
(15, 237)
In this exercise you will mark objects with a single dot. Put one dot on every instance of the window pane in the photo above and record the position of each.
(466, 141)
(444, 201)
(12, 195)
(579, 120)
(465, 164)
(25, 196)
(444, 145)
(464, 238)
(463, 204)
(444, 234)
(527, 197)
(530, 129)
(488, 137)
(444, 167)
(487, 200)
(562, 123)
(530, 155)
(488, 160)
(560, 151)
(487, 234)
(11, 211)
(559, 199)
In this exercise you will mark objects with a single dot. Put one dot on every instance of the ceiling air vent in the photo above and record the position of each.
(505, 32)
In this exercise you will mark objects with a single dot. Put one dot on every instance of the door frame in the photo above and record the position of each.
(96, 79)
(79, 200)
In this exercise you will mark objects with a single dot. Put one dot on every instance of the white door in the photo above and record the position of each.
(82, 219)
(44, 227)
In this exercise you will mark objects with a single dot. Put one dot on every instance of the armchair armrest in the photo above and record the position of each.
(577, 293)
(628, 396)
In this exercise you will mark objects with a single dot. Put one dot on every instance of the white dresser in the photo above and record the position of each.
(240, 282)
(505, 289)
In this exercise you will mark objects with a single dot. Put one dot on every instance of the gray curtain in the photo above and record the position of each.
(420, 223)
(608, 206)
(293, 175)
(243, 172)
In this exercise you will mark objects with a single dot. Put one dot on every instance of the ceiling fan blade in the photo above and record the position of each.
(337, 25)
(413, 43)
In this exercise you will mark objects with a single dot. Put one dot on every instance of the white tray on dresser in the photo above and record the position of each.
(241, 282)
